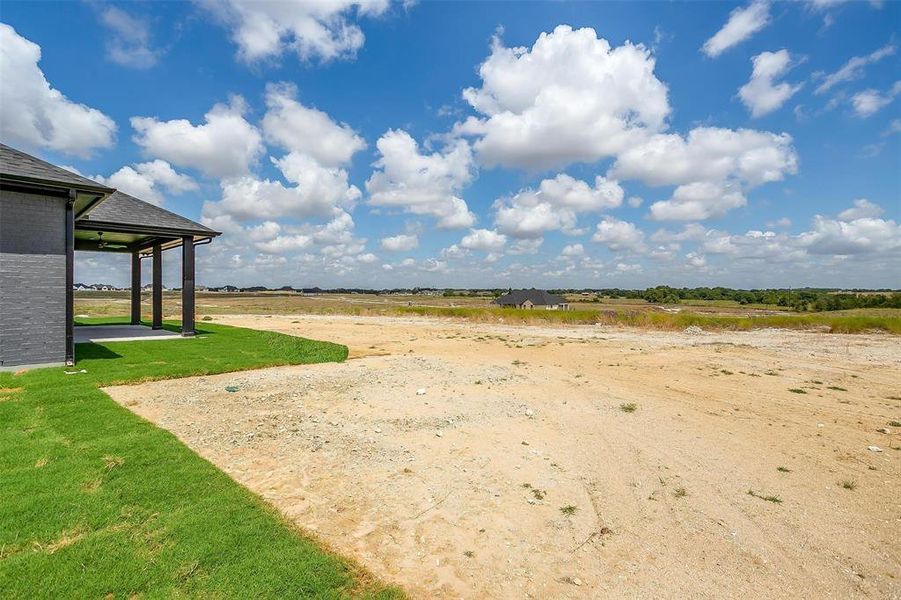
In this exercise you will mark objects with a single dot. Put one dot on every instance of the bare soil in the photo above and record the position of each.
(457, 492)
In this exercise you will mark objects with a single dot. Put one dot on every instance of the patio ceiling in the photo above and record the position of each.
(123, 223)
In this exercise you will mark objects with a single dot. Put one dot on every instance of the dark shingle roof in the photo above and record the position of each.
(537, 297)
(120, 208)
(16, 165)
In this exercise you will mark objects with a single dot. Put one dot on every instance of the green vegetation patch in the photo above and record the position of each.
(96, 501)
(768, 497)
(658, 320)
(631, 312)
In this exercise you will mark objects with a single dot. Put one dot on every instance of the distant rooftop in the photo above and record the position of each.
(536, 297)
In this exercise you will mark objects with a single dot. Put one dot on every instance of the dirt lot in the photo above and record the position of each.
(471, 460)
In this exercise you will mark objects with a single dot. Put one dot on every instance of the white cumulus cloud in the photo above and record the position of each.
(555, 205)
(712, 167)
(483, 239)
(571, 97)
(854, 68)
(859, 236)
(525, 246)
(695, 260)
(225, 145)
(400, 243)
(619, 236)
(567, 192)
(856, 232)
(862, 209)
(870, 101)
(742, 24)
(298, 128)
(318, 192)
(698, 201)
(690, 232)
(526, 216)
(146, 181)
(128, 42)
(454, 251)
(268, 28)
(33, 114)
(764, 93)
(422, 184)
(709, 154)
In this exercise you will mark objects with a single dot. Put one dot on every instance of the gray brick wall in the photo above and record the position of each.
(32, 279)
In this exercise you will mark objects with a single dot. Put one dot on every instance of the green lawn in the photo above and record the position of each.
(96, 502)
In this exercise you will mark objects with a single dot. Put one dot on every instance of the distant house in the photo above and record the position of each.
(532, 298)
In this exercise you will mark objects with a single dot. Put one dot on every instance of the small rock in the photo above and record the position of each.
(874, 448)
(820, 425)
(439, 434)
(884, 430)
(377, 430)
(576, 581)
(530, 413)
(420, 392)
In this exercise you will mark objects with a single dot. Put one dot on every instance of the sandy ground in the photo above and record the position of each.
(458, 491)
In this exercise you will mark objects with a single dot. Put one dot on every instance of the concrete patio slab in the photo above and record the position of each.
(121, 333)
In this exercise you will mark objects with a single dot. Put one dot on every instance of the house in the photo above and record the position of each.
(532, 298)
(47, 214)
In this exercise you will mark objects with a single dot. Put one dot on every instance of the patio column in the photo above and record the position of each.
(157, 286)
(70, 278)
(135, 288)
(187, 285)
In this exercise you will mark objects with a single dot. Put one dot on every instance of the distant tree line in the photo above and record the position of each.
(802, 299)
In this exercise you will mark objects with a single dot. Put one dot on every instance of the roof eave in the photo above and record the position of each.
(149, 230)
(40, 182)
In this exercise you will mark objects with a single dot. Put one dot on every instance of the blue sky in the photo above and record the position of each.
(481, 144)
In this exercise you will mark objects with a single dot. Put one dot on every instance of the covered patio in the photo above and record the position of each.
(47, 213)
(95, 334)
(127, 225)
